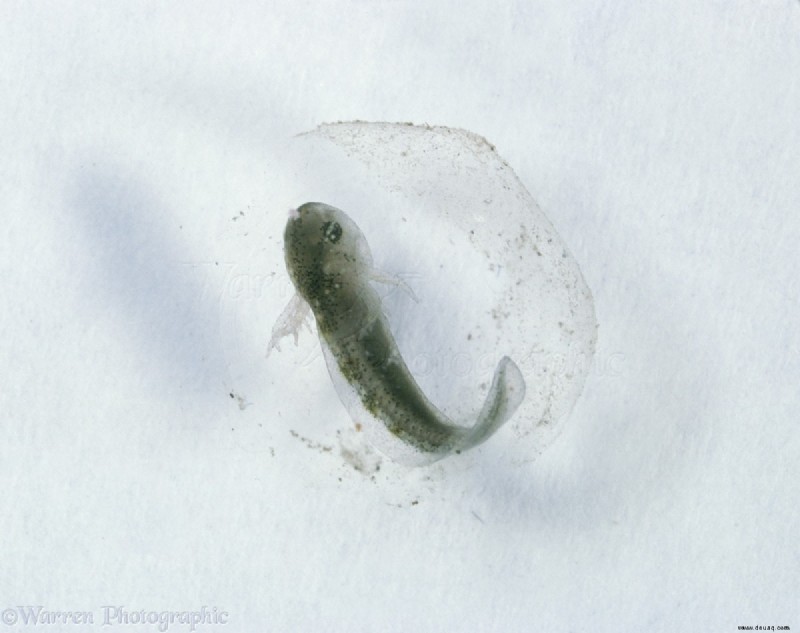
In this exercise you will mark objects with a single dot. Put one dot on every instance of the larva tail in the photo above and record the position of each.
(505, 395)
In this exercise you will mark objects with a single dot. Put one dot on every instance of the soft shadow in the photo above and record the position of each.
(142, 282)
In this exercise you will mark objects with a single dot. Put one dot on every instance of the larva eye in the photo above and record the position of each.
(331, 231)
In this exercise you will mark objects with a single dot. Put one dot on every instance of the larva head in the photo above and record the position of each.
(324, 250)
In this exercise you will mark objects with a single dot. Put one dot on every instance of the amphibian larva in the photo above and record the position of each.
(330, 265)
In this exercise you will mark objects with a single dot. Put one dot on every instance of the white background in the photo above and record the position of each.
(663, 141)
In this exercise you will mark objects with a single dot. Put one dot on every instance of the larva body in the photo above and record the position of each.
(330, 265)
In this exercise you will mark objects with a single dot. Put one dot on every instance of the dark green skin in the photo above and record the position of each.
(329, 263)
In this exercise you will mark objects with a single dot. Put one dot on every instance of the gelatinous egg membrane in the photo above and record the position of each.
(442, 210)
